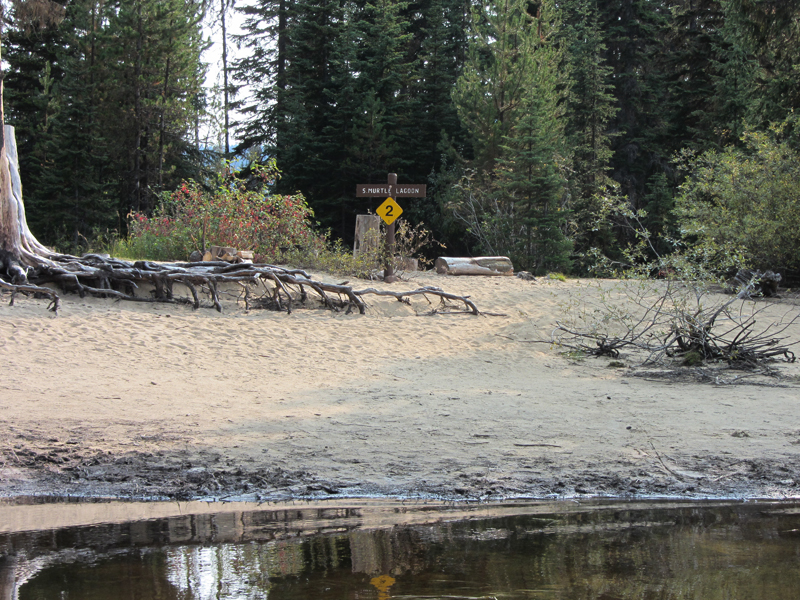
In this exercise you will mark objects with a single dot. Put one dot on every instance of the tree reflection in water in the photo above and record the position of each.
(609, 552)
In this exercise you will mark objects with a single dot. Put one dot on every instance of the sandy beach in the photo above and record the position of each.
(138, 400)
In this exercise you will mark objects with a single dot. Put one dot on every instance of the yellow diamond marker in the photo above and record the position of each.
(389, 211)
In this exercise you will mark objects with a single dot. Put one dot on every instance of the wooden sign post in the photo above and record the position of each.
(390, 210)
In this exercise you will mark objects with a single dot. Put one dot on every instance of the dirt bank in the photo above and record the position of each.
(135, 400)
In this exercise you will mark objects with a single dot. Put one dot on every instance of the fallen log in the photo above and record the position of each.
(479, 265)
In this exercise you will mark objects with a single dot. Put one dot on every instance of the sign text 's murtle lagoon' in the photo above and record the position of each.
(365, 190)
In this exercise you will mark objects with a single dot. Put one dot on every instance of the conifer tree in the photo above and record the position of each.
(440, 37)
(74, 191)
(696, 53)
(510, 98)
(769, 31)
(636, 40)
(153, 72)
(307, 152)
(262, 68)
(590, 108)
(491, 91)
(529, 177)
(439, 48)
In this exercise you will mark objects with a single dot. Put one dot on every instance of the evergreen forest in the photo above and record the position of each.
(565, 135)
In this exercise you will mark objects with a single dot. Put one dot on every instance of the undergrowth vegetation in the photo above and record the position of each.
(239, 212)
(244, 213)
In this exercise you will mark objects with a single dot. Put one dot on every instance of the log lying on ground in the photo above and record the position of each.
(480, 265)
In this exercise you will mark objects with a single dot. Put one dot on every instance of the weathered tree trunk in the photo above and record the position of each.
(19, 249)
(368, 234)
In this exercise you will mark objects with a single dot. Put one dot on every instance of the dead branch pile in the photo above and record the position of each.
(105, 277)
(677, 320)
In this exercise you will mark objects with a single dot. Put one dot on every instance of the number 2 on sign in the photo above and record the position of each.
(389, 211)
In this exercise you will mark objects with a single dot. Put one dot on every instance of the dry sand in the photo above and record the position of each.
(146, 401)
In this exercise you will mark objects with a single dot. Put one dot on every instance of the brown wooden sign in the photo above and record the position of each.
(391, 190)
(390, 210)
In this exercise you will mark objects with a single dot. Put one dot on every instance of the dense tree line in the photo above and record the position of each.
(346, 91)
(527, 118)
(524, 117)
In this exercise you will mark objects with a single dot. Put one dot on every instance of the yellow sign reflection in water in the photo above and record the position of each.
(382, 584)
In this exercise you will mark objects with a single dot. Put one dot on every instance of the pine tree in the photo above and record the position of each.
(383, 120)
(696, 49)
(491, 90)
(770, 32)
(440, 44)
(590, 108)
(510, 98)
(636, 38)
(528, 177)
(308, 152)
(75, 182)
(153, 72)
(262, 68)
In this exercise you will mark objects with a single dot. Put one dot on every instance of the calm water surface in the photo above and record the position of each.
(607, 551)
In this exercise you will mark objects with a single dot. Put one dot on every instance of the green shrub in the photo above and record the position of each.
(741, 206)
(692, 359)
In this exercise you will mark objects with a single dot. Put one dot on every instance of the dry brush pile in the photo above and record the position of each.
(660, 320)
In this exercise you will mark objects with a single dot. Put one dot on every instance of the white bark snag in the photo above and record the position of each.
(480, 265)
(18, 246)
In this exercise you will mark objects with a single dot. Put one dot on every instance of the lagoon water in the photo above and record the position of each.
(379, 550)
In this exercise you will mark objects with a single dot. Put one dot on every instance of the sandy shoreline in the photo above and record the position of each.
(145, 401)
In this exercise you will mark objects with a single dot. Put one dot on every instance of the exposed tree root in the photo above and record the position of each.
(32, 289)
(105, 277)
(426, 291)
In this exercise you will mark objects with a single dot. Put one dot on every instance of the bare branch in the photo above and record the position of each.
(676, 320)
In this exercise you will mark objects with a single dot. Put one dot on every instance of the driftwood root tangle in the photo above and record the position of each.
(105, 277)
